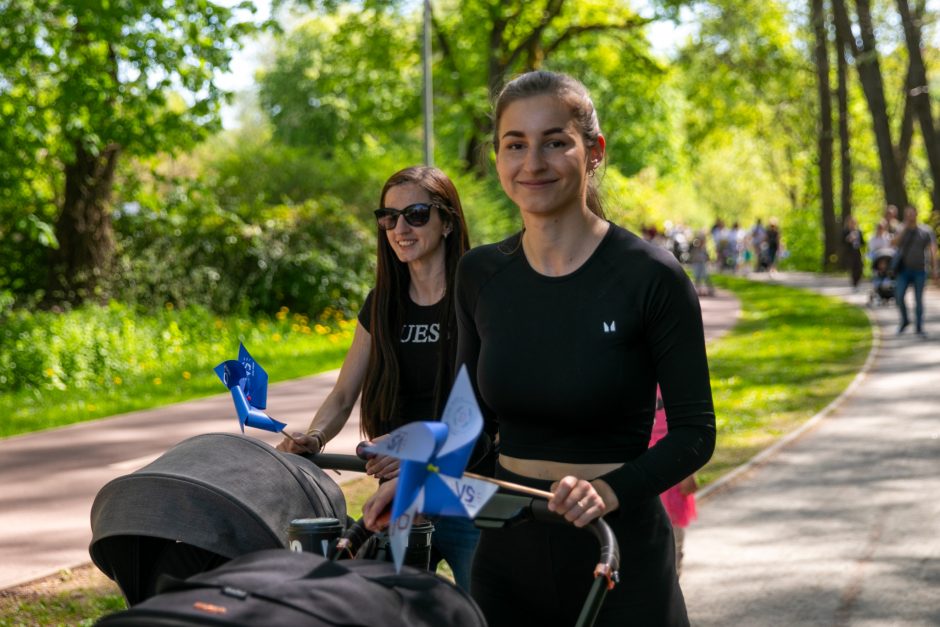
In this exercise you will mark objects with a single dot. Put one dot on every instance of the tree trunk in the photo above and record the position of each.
(845, 148)
(83, 229)
(919, 96)
(869, 73)
(831, 239)
(906, 133)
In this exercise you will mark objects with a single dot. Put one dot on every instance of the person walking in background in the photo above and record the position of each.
(699, 258)
(758, 241)
(853, 242)
(773, 244)
(402, 355)
(916, 256)
(880, 240)
(891, 220)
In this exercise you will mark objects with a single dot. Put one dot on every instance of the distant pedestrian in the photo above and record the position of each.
(773, 244)
(853, 241)
(758, 237)
(698, 257)
(917, 254)
(880, 240)
(891, 220)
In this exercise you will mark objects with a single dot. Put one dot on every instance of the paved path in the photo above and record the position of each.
(50, 478)
(842, 525)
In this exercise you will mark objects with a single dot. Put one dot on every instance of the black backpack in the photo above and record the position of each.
(280, 587)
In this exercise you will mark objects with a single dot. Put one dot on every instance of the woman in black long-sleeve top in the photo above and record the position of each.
(566, 329)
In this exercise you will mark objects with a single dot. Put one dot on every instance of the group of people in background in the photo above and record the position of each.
(725, 249)
(902, 253)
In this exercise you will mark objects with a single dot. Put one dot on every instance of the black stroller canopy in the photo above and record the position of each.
(207, 500)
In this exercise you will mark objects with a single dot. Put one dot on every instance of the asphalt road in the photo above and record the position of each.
(50, 478)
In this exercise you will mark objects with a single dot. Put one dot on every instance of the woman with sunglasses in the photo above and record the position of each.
(402, 355)
(566, 328)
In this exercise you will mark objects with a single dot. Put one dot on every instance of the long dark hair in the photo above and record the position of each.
(380, 402)
(573, 93)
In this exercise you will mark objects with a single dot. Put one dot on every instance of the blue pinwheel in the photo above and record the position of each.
(433, 458)
(248, 383)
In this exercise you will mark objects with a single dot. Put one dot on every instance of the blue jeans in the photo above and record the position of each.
(918, 278)
(455, 541)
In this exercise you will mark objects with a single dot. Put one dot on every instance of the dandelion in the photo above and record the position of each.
(117, 380)
(295, 328)
(49, 372)
(91, 407)
(218, 324)
(169, 306)
(187, 375)
(305, 330)
(282, 313)
(322, 330)
(157, 381)
(276, 337)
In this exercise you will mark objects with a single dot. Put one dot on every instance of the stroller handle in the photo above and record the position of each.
(505, 510)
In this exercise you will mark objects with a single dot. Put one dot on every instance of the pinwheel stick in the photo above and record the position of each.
(512, 486)
(287, 435)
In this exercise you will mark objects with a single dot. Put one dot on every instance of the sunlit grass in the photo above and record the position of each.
(58, 369)
(791, 354)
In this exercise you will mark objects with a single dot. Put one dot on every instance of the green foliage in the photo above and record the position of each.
(57, 369)
(94, 77)
(309, 257)
(790, 355)
(319, 96)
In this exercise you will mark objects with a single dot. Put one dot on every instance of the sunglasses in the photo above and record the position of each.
(417, 214)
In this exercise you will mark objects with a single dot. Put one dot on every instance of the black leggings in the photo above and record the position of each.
(540, 574)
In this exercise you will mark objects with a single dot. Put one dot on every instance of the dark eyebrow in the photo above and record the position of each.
(549, 131)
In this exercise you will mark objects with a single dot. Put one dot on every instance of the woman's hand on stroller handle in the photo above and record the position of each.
(580, 501)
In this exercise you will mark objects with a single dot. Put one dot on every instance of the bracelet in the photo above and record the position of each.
(320, 437)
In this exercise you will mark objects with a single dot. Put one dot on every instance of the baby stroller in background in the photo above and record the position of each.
(253, 579)
(882, 279)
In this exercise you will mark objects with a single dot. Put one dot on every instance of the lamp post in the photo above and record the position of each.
(428, 89)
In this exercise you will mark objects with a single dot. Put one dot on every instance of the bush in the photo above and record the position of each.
(309, 258)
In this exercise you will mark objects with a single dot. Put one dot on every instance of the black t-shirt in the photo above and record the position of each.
(418, 354)
(568, 366)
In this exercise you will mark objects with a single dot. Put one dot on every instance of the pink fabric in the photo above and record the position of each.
(681, 508)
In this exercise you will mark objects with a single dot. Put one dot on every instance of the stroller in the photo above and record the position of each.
(882, 279)
(242, 573)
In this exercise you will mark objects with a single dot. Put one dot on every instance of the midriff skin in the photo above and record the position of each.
(553, 471)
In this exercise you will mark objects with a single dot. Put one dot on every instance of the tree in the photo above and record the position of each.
(845, 146)
(832, 242)
(919, 95)
(865, 54)
(90, 82)
(485, 41)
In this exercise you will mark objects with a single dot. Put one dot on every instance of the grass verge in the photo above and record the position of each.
(58, 369)
(791, 354)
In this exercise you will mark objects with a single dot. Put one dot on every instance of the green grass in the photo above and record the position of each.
(101, 361)
(80, 605)
(790, 355)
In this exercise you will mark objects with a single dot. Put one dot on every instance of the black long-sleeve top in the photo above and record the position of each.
(567, 367)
